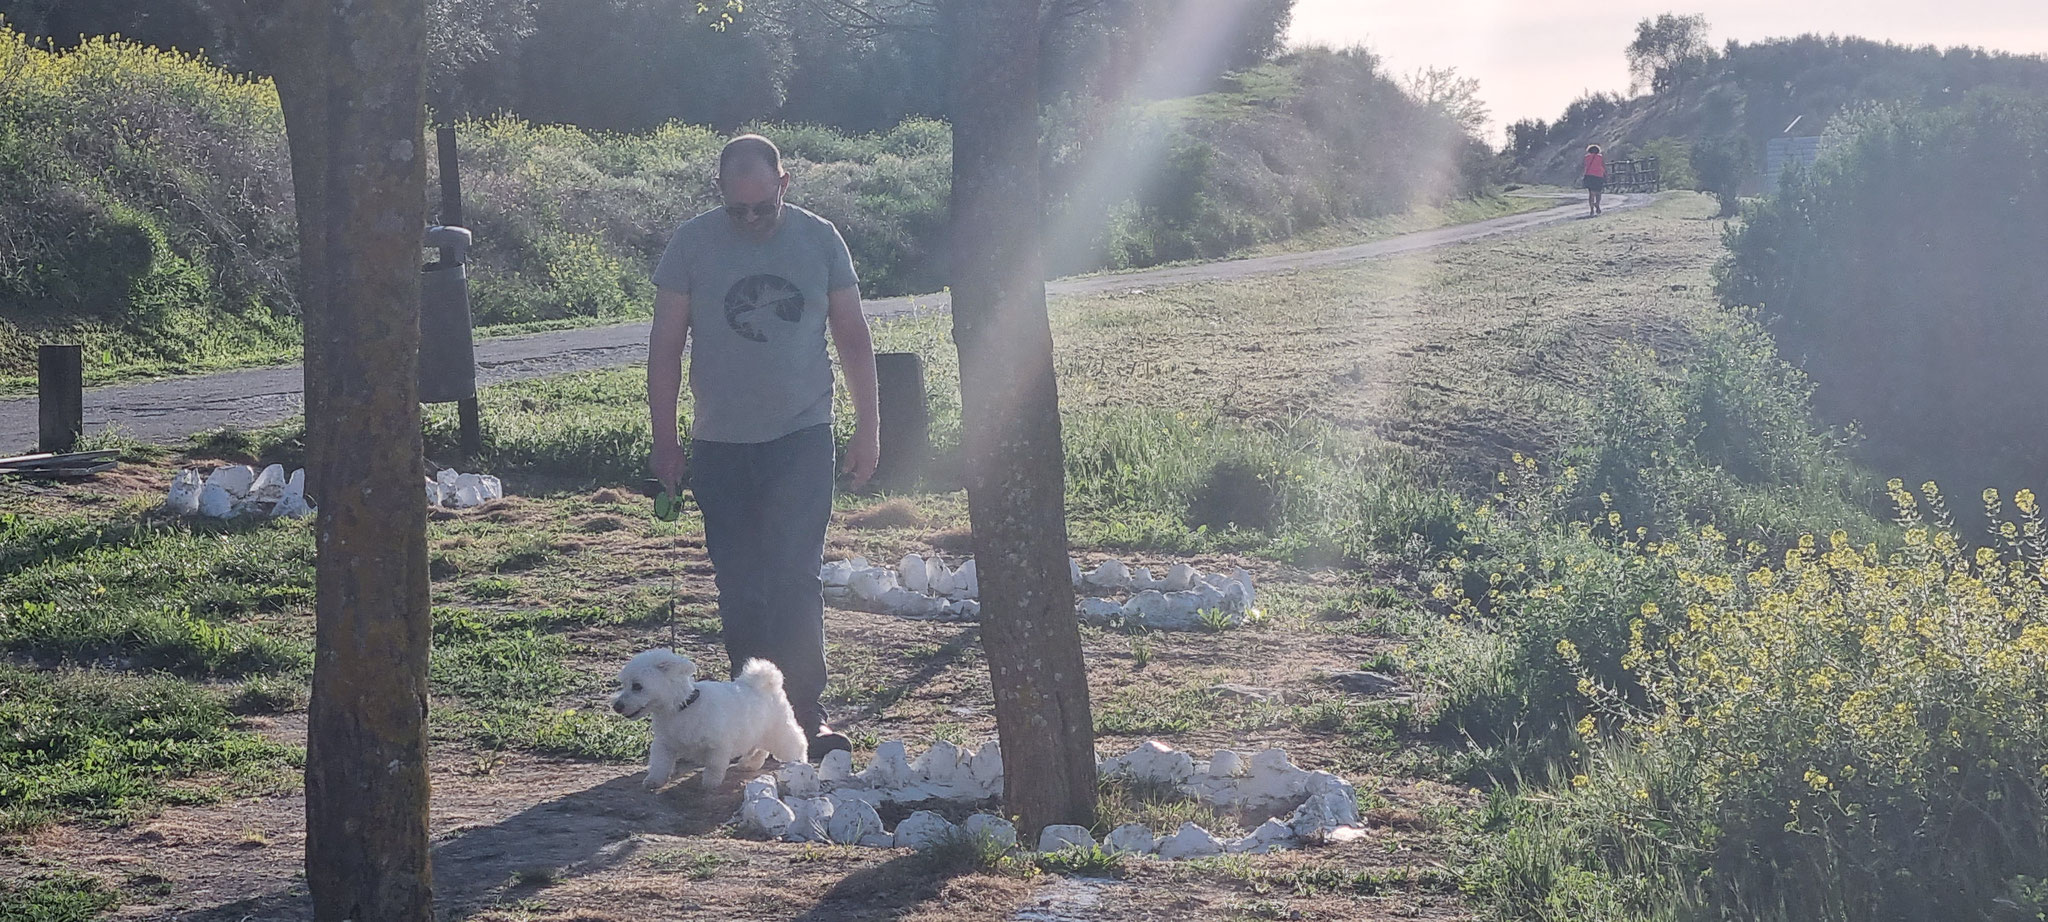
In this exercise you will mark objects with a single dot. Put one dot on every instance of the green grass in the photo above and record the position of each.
(107, 747)
(509, 671)
(56, 898)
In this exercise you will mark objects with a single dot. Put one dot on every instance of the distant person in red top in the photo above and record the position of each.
(1596, 177)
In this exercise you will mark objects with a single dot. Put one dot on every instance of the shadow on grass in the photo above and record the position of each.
(474, 866)
(928, 669)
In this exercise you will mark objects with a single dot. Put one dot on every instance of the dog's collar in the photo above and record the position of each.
(692, 700)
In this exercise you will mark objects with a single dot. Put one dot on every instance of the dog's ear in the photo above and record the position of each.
(677, 667)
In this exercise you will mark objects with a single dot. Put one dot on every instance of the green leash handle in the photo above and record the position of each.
(667, 506)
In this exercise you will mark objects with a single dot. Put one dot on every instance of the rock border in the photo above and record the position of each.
(1185, 599)
(830, 802)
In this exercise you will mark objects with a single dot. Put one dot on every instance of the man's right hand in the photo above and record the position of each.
(670, 464)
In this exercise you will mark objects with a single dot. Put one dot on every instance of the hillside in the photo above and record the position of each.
(1757, 90)
(148, 211)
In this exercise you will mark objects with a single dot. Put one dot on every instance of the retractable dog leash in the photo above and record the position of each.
(668, 507)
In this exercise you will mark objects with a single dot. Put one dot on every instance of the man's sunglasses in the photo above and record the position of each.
(760, 210)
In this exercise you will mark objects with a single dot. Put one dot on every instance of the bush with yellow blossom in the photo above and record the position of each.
(1842, 731)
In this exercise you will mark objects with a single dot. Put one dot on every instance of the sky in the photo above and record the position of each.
(1533, 58)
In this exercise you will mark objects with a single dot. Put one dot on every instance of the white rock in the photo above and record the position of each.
(1271, 835)
(1237, 598)
(938, 577)
(1272, 760)
(216, 501)
(986, 768)
(1244, 578)
(890, 769)
(991, 830)
(967, 581)
(852, 820)
(836, 573)
(836, 768)
(766, 817)
(183, 497)
(294, 503)
(1326, 783)
(1153, 762)
(1190, 841)
(269, 485)
(858, 563)
(870, 584)
(1060, 835)
(1146, 607)
(1206, 596)
(877, 840)
(799, 779)
(1097, 610)
(1074, 570)
(1179, 578)
(964, 610)
(939, 765)
(1226, 763)
(763, 786)
(1271, 782)
(1322, 814)
(924, 829)
(1132, 838)
(1110, 574)
(1182, 605)
(911, 571)
(810, 819)
(446, 477)
(235, 479)
(1142, 579)
(436, 493)
(900, 601)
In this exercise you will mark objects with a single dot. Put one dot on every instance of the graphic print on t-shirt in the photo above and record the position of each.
(747, 297)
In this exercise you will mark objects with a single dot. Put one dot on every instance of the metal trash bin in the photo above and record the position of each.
(447, 349)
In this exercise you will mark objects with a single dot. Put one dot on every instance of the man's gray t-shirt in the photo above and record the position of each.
(758, 368)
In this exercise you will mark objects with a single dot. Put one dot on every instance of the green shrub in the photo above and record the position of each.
(1842, 733)
(1722, 165)
(1909, 291)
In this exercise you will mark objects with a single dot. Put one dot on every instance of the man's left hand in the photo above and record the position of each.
(862, 454)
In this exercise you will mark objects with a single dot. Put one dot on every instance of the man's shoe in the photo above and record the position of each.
(825, 741)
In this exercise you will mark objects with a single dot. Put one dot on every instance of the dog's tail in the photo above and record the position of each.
(761, 676)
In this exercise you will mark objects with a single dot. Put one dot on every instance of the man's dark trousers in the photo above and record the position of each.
(765, 508)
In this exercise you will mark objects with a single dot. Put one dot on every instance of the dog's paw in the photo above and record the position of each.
(654, 783)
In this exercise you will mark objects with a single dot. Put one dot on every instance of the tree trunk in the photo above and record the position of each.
(1016, 480)
(350, 80)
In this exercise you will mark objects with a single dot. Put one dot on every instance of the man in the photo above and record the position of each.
(756, 286)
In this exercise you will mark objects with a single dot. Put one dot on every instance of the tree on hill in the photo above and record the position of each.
(1442, 89)
(1668, 52)
(1721, 164)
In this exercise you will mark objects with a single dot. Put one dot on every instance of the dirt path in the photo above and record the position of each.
(169, 410)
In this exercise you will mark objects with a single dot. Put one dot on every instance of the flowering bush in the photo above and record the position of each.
(1843, 732)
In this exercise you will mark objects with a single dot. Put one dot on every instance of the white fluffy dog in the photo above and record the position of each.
(708, 723)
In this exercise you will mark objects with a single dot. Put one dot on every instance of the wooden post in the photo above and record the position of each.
(906, 420)
(60, 397)
(350, 77)
(467, 418)
(1010, 418)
